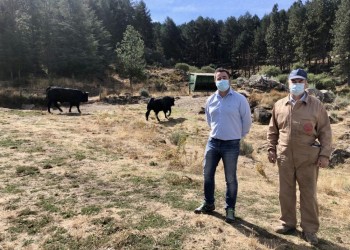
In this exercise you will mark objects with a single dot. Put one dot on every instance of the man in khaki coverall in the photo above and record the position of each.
(299, 137)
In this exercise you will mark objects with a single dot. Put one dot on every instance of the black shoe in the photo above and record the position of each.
(230, 215)
(205, 208)
(284, 229)
(311, 238)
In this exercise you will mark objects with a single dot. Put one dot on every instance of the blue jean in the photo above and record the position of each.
(228, 151)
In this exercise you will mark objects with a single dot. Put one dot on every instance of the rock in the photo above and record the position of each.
(339, 156)
(261, 115)
(328, 96)
(316, 93)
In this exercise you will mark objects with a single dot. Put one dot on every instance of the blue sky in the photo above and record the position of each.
(181, 11)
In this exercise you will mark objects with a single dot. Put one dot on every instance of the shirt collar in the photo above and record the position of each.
(290, 99)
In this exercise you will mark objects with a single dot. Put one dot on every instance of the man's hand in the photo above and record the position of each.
(322, 161)
(272, 156)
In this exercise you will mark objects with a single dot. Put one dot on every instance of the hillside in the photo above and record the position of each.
(108, 179)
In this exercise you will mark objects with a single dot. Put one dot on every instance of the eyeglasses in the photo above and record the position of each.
(297, 80)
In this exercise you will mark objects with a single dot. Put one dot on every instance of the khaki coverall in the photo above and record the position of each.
(292, 134)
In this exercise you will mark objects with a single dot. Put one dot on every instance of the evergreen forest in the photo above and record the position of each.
(85, 37)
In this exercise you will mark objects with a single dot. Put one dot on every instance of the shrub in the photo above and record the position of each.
(182, 66)
(194, 69)
(207, 69)
(270, 71)
(245, 148)
(342, 101)
(282, 78)
(144, 93)
(160, 87)
(299, 65)
(326, 83)
(178, 138)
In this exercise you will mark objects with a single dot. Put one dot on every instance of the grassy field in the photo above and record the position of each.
(108, 179)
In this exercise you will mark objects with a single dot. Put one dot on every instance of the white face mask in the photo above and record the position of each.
(222, 85)
(297, 89)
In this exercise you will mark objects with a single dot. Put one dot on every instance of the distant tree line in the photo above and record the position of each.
(81, 37)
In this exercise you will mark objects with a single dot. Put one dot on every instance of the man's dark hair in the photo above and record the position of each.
(222, 70)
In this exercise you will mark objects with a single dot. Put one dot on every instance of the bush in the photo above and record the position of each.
(160, 87)
(195, 69)
(321, 81)
(299, 65)
(283, 78)
(326, 83)
(207, 69)
(270, 71)
(144, 93)
(245, 148)
(342, 101)
(178, 138)
(182, 66)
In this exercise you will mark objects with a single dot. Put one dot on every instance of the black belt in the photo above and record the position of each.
(224, 140)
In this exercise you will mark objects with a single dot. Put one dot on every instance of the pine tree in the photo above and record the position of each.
(130, 56)
(278, 39)
(297, 29)
(341, 49)
(171, 40)
(143, 24)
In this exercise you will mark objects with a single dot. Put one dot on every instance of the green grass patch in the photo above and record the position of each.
(174, 239)
(55, 161)
(90, 210)
(30, 226)
(109, 225)
(24, 170)
(27, 212)
(48, 205)
(181, 182)
(152, 220)
(174, 199)
(12, 143)
(138, 241)
(80, 155)
(61, 239)
(12, 189)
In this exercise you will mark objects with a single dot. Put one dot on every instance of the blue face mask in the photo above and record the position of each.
(222, 85)
(296, 89)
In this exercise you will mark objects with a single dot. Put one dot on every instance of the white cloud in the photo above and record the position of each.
(187, 8)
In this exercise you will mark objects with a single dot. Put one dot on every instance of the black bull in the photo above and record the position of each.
(73, 96)
(160, 104)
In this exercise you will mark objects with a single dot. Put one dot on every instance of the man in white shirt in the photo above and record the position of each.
(229, 118)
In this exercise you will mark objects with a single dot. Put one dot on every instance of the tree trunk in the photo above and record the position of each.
(131, 88)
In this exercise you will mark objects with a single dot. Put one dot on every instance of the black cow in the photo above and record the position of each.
(58, 94)
(160, 104)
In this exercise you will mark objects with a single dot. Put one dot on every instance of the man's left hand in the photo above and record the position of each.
(322, 161)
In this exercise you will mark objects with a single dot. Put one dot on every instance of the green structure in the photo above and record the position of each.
(201, 82)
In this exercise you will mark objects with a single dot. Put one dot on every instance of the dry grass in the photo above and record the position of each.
(108, 179)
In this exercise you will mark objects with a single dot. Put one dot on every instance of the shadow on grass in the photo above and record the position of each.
(172, 121)
(272, 240)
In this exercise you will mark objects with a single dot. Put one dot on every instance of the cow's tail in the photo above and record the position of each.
(47, 89)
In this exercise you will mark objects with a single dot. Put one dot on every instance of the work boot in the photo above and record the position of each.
(284, 229)
(205, 208)
(311, 238)
(230, 215)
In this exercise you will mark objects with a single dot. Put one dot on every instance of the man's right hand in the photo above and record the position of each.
(272, 156)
